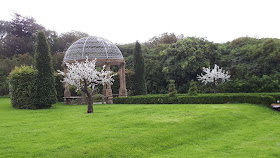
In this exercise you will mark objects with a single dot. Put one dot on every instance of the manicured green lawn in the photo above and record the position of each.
(222, 130)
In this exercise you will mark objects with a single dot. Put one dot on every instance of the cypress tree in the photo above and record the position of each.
(45, 81)
(139, 69)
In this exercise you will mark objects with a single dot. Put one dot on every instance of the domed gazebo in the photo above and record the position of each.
(105, 53)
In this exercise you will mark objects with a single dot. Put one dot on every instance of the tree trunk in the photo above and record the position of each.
(90, 104)
(90, 99)
(215, 87)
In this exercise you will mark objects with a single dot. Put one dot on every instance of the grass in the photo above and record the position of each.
(215, 130)
(5, 96)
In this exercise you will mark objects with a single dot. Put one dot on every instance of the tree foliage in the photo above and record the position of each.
(18, 36)
(139, 69)
(168, 56)
(17, 41)
(165, 38)
(45, 82)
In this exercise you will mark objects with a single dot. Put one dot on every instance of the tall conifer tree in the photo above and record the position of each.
(139, 68)
(45, 82)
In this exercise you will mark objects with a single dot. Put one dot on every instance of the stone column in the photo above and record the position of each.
(122, 90)
(107, 92)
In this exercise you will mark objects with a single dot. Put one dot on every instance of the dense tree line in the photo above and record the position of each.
(251, 62)
(17, 45)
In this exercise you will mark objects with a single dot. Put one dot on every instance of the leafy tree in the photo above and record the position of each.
(84, 76)
(45, 82)
(184, 59)
(57, 60)
(7, 64)
(19, 35)
(3, 29)
(139, 68)
(165, 38)
(64, 41)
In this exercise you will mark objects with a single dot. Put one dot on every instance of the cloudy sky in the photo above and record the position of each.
(125, 21)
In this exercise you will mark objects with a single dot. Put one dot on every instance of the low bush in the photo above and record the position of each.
(22, 87)
(264, 99)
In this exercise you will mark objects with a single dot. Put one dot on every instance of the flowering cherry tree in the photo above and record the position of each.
(84, 75)
(216, 76)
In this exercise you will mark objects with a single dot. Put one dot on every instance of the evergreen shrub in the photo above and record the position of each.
(139, 82)
(45, 81)
(193, 89)
(172, 90)
(22, 87)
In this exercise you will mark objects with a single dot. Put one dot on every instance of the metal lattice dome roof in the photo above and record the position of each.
(92, 47)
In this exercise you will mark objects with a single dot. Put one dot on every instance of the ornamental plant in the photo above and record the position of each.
(139, 69)
(45, 81)
(172, 90)
(22, 87)
(193, 89)
(85, 77)
(213, 77)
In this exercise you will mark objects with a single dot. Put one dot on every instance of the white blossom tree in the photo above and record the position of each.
(215, 76)
(84, 76)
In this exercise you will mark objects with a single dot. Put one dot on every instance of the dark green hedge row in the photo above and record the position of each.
(200, 99)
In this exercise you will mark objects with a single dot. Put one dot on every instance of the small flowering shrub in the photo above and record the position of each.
(85, 77)
(213, 77)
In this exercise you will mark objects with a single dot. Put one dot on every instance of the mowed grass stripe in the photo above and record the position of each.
(220, 130)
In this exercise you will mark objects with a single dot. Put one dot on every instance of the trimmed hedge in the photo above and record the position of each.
(22, 87)
(200, 99)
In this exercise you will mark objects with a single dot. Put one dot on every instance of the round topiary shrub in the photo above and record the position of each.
(21, 86)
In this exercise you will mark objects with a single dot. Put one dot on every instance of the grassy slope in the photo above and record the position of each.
(226, 130)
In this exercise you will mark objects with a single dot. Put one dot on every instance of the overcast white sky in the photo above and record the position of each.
(125, 21)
